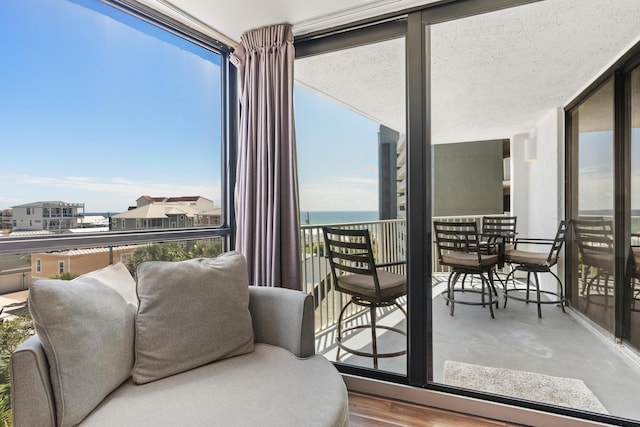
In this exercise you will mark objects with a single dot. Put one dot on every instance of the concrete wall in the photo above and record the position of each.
(537, 187)
(467, 178)
(387, 173)
(539, 183)
(14, 282)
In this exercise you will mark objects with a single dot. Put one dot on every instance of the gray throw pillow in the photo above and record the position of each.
(87, 329)
(191, 313)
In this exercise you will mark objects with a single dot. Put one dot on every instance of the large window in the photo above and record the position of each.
(350, 133)
(103, 110)
(110, 125)
(592, 125)
(110, 122)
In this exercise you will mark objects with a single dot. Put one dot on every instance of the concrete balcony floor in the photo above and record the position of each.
(558, 344)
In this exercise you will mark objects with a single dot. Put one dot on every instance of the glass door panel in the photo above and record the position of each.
(633, 296)
(593, 290)
(350, 131)
(484, 166)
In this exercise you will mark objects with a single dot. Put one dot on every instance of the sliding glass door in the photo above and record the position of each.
(603, 203)
(350, 124)
(496, 151)
(475, 141)
(632, 296)
(592, 125)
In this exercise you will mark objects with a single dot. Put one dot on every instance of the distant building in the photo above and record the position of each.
(6, 217)
(78, 261)
(167, 212)
(93, 221)
(50, 216)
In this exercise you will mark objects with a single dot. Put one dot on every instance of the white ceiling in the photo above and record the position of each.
(493, 75)
(229, 19)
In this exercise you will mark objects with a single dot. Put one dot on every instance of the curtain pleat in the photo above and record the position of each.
(266, 193)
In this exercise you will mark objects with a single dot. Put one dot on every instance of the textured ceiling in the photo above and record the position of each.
(500, 73)
(230, 19)
(376, 90)
(493, 75)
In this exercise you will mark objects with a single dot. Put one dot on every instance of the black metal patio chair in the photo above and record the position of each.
(595, 244)
(535, 263)
(459, 248)
(356, 273)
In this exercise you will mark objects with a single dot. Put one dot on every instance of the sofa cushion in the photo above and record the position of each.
(269, 387)
(86, 326)
(191, 313)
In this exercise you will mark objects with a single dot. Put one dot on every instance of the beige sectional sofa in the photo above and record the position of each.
(189, 344)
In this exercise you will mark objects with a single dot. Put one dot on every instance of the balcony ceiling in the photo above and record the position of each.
(493, 75)
(232, 18)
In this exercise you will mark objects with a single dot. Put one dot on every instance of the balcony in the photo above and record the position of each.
(559, 344)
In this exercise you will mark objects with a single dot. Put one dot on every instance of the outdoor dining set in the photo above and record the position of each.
(470, 252)
(481, 257)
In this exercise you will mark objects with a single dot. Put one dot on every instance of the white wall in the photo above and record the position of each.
(537, 187)
(520, 184)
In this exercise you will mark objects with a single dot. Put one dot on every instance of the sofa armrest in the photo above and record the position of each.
(283, 317)
(32, 402)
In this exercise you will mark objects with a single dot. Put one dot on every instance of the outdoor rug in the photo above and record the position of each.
(568, 392)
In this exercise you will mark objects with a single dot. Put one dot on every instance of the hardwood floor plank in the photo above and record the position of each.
(372, 411)
(359, 421)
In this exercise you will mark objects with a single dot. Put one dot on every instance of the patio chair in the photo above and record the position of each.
(633, 274)
(534, 263)
(503, 228)
(499, 232)
(355, 273)
(459, 248)
(595, 244)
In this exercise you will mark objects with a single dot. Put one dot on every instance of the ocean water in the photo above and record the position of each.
(336, 217)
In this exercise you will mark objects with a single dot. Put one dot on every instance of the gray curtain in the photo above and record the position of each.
(266, 193)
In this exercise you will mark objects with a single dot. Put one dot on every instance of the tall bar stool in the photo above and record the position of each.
(356, 273)
(459, 248)
(533, 263)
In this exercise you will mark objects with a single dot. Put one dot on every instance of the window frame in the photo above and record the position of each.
(617, 73)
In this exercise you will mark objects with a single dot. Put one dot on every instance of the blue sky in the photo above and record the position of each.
(100, 108)
(596, 170)
(95, 111)
(337, 155)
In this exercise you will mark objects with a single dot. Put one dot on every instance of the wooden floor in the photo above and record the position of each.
(369, 411)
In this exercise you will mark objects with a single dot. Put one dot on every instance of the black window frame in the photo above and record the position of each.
(618, 73)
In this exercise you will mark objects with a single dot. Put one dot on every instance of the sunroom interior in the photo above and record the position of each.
(515, 108)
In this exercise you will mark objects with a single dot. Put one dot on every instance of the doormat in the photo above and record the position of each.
(567, 392)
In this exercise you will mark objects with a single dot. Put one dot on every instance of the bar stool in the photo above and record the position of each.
(534, 263)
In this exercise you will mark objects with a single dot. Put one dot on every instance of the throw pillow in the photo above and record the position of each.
(86, 326)
(191, 313)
